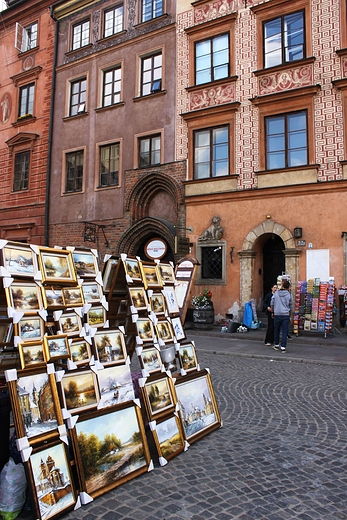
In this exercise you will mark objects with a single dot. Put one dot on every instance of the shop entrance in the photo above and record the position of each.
(273, 261)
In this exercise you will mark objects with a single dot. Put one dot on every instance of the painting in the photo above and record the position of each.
(96, 316)
(158, 395)
(171, 302)
(73, 296)
(80, 391)
(108, 273)
(92, 292)
(132, 269)
(29, 328)
(52, 298)
(80, 351)
(169, 437)
(85, 262)
(70, 323)
(187, 357)
(115, 385)
(111, 448)
(50, 481)
(157, 303)
(56, 347)
(150, 360)
(164, 331)
(178, 328)
(57, 266)
(6, 330)
(145, 330)
(197, 405)
(19, 260)
(166, 273)
(139, 298)
(35, 404)
(24, 297)
(150, 275)
(31, 354)
(110, 347)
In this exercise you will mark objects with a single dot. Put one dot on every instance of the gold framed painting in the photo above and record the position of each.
(56, 347)
(79, 391)
(57, 266)
(24, 297)
(159, 396)
(30, 328)
(73, 296)
(19, 260)
(168, 437)
(70, 323)
(85, 262)
(31, 354)
(52, 297)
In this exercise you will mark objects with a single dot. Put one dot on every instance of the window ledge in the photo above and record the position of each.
(285, 66)
(149, 96)
(72, 52)
(67, 193)
(23, 54)
(114, 35)
(110, 187)
(147, 22)
(210, 84)
(109, 107)
(307, 174)
(24, 121)
(77, 116)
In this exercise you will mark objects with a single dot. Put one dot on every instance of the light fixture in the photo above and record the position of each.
(268, 217)
(297, 232)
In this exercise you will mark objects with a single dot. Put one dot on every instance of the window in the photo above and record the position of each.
(113, 21)
(284, 39)
(151, 9)
(286, 140)
(109, 165)
(80, 35)
(74, 171)
(212, 260)
(26, 100)
(149, 151)
(111, 89)
(21, 171)
(151, 74)
(212, 59)
(78, 97)
(26, 37)
(211, 152)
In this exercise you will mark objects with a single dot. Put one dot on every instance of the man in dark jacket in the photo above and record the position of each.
(269, 337)
(282, 307)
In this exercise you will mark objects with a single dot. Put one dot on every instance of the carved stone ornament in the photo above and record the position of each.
(214, 232)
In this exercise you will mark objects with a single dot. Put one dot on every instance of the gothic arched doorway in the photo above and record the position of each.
(273, 261)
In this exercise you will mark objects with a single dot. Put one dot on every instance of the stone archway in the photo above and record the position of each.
(247, 256)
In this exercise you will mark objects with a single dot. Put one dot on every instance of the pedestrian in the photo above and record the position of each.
(282, 307)
(269, 336)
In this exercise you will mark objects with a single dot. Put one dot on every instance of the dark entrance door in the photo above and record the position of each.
(273, 262)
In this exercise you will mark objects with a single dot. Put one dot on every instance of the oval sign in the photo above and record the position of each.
(155, 248)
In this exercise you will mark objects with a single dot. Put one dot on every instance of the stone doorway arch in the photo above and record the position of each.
(248, 254)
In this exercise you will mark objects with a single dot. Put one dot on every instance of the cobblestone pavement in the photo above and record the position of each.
(281, 453)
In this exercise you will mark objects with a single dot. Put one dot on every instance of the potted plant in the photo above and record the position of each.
(203, 310)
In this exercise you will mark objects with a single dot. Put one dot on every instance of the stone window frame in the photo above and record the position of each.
(114, 8)
(80, 23)
(141, 14)
(152, 133)
(22, 142)
(64, 171)
(103, 71)
(149, 138)
(210, 281)
(19, 173)
(98, 146)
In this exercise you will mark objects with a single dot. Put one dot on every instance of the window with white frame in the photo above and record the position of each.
(211, 152)
(21, 171)
(149, 150)
(109, 165)
(111, 86)
(26, 37)
(151, 74)
(284, 39)
(26, 100)
(74, 171)
(212, 59)
(78, 96)
(80, 35)
(113, 21)
(151, 9)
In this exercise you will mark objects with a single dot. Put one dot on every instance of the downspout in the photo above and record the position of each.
(50, 131)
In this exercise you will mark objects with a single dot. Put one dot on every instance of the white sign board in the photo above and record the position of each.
(317, 264)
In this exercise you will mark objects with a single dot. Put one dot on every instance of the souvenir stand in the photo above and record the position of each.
(342, 292)
(75, 331)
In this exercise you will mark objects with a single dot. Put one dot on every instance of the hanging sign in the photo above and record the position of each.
(155, 248)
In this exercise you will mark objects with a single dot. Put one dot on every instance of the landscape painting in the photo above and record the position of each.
(29, 328)
(31, 353)
(158, 395)
(157, 303)
(110, 347)
(79, 351)
(150, 360)
(70, 323)
(73, 296)
(52, 298)
(139, 298)
(145, 329)
(187, 356)
(96, 316)
(168, 436)
(111, 448)
(56, 347)
(57, 266)
(80, 391)
(92, 292)
(85, 263)
(167, 273)
(132, 269)
(19, 260)
(24, 297)
(115, 385)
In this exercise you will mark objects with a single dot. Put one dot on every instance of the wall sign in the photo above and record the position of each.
(155, 248)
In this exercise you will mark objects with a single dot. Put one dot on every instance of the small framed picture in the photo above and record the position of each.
(24, 297)
(115, 385)
(139, 298)
(57, 266)
(19, 260)
(145, 329)
(169, 437)
(171, 301)
(159, 396)
(110, 347)
(92, 292)
(167, 273)
(187, 357)
(150, 275)
(157, 303)
(150, 360)
(6, 331)
(132, 269)
(70, 323)
(164, 331)
(85, 262)
(178, 328)
(56, 347)
(31, 354)
(96, 316)
(52, 298)
(108, 273)
(80, 391)
(30, 328)
(73, 296)
(80, 351)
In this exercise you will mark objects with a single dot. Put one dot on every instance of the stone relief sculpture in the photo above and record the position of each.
(214, 232)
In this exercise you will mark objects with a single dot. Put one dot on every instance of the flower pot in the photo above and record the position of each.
(203, 318)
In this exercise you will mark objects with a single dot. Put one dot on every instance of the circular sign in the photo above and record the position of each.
(155, 248)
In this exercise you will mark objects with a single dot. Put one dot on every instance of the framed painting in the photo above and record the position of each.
(85, 262)
(19, 260)
(73, 296)
(139, 298)
(145, 329)
(164, 331)
(171, 301)
(110, 347)
(80, 391)
(159, 396)
(92, 292)
(111, 448)
(123, 307)
(150, 360)
(132, 269)
(70, 323)
(96, 316)
(197, 405)
(157, 303)
(80, 351)
(24, 297)
(52, 298)
(108, 273)
(115, 385)
(56, 347)
(35, 404)
(30, 328)
(166, 273)
(31, 354)
(50, 481)
(57, 266)
(6, 331)
(187, 357)
(150, 275)
(168, 437)
(178, 328)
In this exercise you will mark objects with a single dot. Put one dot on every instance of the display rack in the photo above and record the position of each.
(314, 306)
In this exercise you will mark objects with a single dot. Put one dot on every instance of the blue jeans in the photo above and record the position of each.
(281, 323)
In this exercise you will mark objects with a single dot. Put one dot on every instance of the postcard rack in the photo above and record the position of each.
(314, 306)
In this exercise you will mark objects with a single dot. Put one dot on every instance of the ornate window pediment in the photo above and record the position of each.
(26, 139)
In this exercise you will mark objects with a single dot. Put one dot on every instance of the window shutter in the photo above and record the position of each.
(20, 37)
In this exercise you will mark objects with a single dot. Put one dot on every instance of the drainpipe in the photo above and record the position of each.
(50, 131)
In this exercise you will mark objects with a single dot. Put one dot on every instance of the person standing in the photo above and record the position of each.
(269, 337)
(282, 307)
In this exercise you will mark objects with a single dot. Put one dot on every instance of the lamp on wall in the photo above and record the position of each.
(297, 232)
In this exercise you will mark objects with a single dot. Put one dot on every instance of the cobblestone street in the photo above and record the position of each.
(281, 453)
